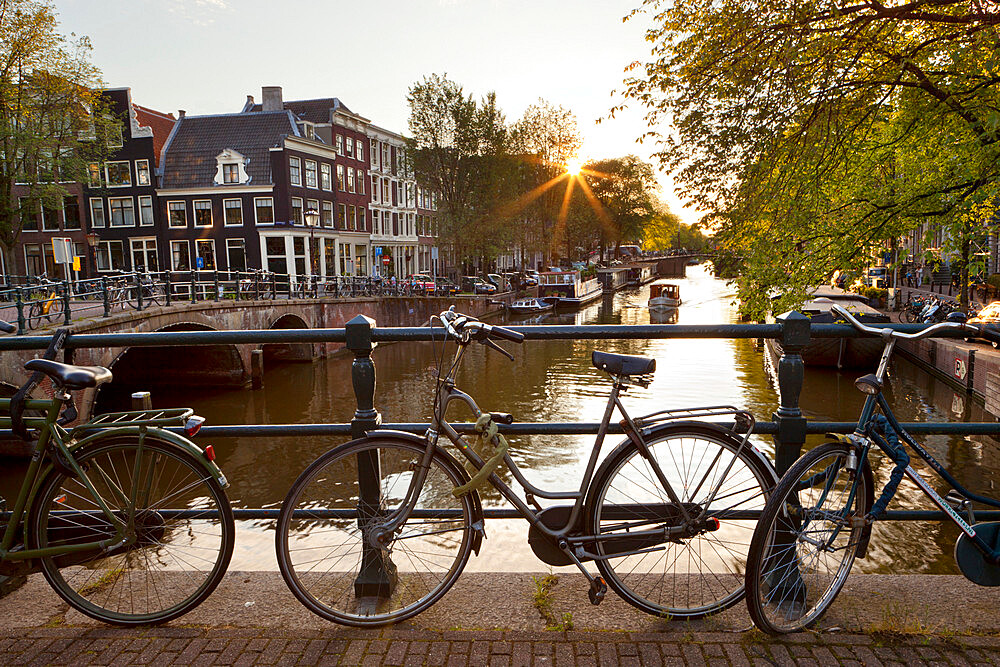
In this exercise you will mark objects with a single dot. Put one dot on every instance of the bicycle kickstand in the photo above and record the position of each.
(598, 587)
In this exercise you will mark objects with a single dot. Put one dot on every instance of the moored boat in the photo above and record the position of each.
(664, 295)
(568, 287)
(529, 306)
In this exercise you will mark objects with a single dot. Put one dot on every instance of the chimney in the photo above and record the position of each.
(249, 100)
(272, 98)
(180, 113)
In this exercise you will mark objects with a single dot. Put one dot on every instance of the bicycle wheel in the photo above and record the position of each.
(34, 315)
(693, 575)
(179, 544)
(805, 543)
(912, 316)
(322, 543)
(55, 312)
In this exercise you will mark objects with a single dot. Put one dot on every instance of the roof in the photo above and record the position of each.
(189, 157)
(161, 124)
(314, 111)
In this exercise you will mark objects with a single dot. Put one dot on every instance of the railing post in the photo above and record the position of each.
(791, 374)
(167, 288)
(215, 284)
(194, 287)
(20, 311)
(106, 296)
(138, 291)
(65, 299)
(377, 577)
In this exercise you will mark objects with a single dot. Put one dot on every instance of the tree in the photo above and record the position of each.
(815, 133)
(51, 120)
(626, 189)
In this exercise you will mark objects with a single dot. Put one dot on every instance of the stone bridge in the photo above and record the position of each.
(224, 365)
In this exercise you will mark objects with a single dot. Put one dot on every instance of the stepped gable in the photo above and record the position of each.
(161, 124)
(190, 160)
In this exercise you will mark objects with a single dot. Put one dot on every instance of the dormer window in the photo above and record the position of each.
(231, 168)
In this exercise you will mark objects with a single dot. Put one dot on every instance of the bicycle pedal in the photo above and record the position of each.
(956, 500)
(598, 589)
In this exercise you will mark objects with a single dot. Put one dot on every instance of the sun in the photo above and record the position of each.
(573, 166)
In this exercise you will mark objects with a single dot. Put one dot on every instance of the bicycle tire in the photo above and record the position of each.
(175, 560)
(783, 596)
(427, 554)
(34, 315)
(694, 576)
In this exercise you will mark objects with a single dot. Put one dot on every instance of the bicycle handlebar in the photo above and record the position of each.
(466, 327)
(969, 329)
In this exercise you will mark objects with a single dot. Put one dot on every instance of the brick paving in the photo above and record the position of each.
(67, 645)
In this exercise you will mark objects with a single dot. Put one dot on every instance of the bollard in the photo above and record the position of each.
(377, 577)
(256, 369)
(138, 292)
(791, 373)
(65, 299)
(20, 311)
(106, 296)
(167, 288)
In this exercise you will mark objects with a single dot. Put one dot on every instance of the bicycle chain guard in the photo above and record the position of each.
(972, 562)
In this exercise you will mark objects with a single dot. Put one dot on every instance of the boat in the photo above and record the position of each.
(664, 295)
(614, 278)
(529, 306)
(640, 274)
(837, 352)
(568, 287)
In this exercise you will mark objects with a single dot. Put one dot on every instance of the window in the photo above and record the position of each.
(385, 157)
(361, 219)
(276, 258)
(142, 172)
(361, 260)
(325, 177)
(352, 218)
(119, 174)
(326, 215)
(176, 214)
(122, 211)
(340, 177)
(180, 256)
(236, 254)
(50, 219)
(146, 211)
(313, 205)
(361, 150)
(299, 255)
(311, 173)
(361, 182)
(350, 180)
(144, 255)
(375, 189)
(297, 211)
(341, 216)
(373, 152)
(34, 259)
(294, 171)
(264, 210)
(29, 214)
(376, 229)
(233, 212)
(204, 252)
(350, 146)
(96, 212)
(386, 199)
(110, 256)
(230, 173)
(94, 175)
(345, 259)
(338, 143)
(202, 213)
(71, 213)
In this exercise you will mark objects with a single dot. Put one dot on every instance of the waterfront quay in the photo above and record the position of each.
(495, 619)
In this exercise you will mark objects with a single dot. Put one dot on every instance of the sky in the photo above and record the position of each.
(206, 56)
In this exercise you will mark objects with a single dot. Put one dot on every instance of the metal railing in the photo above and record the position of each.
(788, 426)
(29, 301)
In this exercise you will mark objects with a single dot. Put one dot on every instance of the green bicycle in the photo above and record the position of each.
(129, 522)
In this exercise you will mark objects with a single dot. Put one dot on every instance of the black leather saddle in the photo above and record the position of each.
(71, 377)
(622, 364)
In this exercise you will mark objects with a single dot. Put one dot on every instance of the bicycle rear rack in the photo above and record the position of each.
(743, 421)
(164, 417)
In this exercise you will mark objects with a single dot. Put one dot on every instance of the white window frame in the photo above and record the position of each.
(215, 255)
(311, 171)
(340, 178)
(325, 208)
(111, 211)
(349, 146)
(225, 216)
(107, 246)
(326, 177)
(142, 166)
(350, 180)
(104, 214)
(294, 167)
(270, 200)
(194, 210)
(146, 204)
(243, 243)
(361, 178)
(359, 150)
(170, 221)
(144, 242)
(302, 210)
(187, 246)
(107, 175)
(338, 144)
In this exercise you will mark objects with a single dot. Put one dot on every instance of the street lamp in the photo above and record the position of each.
(312, 219)
(92, 241)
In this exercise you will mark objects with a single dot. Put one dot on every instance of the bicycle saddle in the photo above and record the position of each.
(71, 377)
(622, 364)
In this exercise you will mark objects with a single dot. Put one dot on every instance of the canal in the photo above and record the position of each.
(554, 381)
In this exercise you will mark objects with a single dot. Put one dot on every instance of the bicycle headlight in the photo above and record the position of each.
(868, 384)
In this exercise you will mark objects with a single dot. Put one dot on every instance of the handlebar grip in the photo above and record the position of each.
(507, 334)
(986, 333)
(7, 327)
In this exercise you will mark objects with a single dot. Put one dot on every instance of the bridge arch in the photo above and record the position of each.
(279, 352)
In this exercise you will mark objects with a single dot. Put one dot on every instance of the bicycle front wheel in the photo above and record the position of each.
(805, 543)
(699, 570)
(179, 531)
(326, 551)
(55, 311)
(34, 315)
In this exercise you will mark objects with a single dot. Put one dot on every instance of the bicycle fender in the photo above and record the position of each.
(866, 471)
(158, 434)
(478, 520)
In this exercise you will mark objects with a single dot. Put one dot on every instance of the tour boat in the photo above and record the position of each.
(569, 288)
(664, 295)
(529, 306)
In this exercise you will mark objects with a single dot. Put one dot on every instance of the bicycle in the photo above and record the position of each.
(910, 312)
(150, 291)
(819, 517)
(260, 285)
(46, 304)
(128, 522)
(376, 530)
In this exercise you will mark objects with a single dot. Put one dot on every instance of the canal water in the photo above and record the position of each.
(554, 381)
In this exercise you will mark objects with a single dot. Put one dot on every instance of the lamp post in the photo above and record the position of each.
(92, 241)
(312, 219)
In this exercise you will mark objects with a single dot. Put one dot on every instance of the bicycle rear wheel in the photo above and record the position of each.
(690, 575)
(324, 530)
(34, 317)
(805, 543)
(180, 538)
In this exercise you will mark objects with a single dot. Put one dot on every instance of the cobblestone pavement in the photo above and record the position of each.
(341, 646)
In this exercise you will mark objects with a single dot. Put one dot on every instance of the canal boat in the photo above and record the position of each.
(614, 278)
(838, 352)
(664, 296)
(570, 290)
(640, 274)
(529, 306)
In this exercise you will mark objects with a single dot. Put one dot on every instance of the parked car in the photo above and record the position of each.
(445, 287)
(877, 276)
(530, 278)
(421, 284)
(498, 281)
(477, 285)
